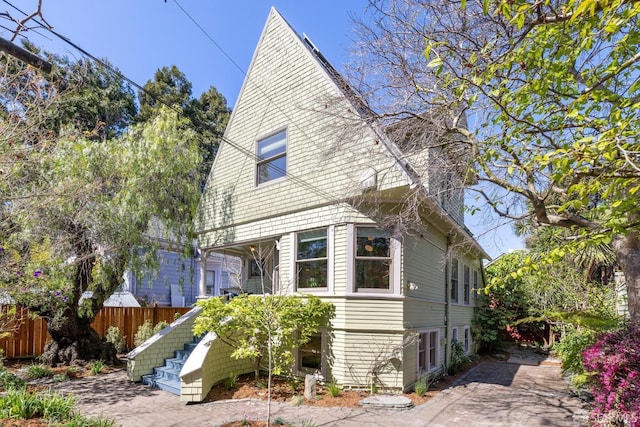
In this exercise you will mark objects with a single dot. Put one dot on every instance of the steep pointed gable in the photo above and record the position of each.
(320, 146)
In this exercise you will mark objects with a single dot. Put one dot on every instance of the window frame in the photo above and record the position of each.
(466, 284)
(466, 342)
(268, 160)
(326, 258)
(455, 280)
(323, 356)
(432, 365)
(476, 275)
(392, 248)
(208, 285)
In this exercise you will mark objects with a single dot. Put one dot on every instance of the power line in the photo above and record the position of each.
(238, 147)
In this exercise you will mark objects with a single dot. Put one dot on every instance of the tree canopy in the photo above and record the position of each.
(75, 210)
(208, 115)
(550, 93)
(261, 327)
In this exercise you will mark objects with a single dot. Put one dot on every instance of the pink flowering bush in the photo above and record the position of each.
(614, 364)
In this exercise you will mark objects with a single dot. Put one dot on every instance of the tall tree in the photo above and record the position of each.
(169, 87)
(551, 92)
(208, 115)
(73, 211)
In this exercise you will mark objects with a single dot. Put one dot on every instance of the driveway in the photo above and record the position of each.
(491, 394)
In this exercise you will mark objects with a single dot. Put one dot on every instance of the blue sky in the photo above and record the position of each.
(140, 36)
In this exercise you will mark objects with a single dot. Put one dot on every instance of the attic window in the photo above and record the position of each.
(271, 158)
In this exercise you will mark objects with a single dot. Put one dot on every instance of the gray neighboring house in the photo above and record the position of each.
(175, 284)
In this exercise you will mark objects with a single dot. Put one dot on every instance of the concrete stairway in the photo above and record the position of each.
(167, 377)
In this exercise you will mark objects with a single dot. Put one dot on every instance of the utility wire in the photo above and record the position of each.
(249, 153)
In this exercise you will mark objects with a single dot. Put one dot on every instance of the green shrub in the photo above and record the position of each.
(24, 405)
(55, 407)
(570, 350)
(459, 358)
(60, 377)
(82, 421)
(147, 330)
(115, 337)
(11, 381)
(334, 389)
(231, 381)
(421, 387)
(160, 326)
(97, 367)
(39, 370)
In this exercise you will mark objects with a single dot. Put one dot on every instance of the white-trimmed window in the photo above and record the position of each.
(454, 280)
(372, 260)
(466, 284)
(311, 259)
(428, 351)
(454, 334)
(466, 340)
(271, 158)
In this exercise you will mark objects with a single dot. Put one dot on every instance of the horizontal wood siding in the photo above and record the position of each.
(31, 337)
(174, 269)
(356, 353)
(461, 315)
(328, 145)
(368, 314)
(424, 267)
(421, 314)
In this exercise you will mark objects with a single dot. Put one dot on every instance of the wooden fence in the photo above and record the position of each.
(29, 339)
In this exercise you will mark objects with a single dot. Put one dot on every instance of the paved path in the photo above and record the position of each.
(492, 394)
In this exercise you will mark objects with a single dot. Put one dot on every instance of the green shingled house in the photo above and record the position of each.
(297, 190)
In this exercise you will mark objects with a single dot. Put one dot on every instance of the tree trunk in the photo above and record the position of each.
(256, 368)
(627, 250)
(75, 341)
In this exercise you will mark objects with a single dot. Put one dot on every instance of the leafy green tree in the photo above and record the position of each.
(208, 115)
(169, 87)
(500, 306)
(550, 89)
(254, 324)
(83, 94)
(74, 212)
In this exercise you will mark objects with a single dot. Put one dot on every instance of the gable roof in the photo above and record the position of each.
(263, 108)
(402, 161)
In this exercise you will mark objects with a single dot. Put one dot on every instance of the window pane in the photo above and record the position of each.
(373, 242)
(433, 339)
(211, 280)
(273, 169)
(311, 353)
(372, 274)
(272, 146)
(312, 244)
(312, 274)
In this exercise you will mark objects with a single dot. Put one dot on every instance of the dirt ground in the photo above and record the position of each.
(282, 391)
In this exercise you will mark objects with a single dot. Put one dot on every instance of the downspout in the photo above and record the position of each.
(447, 305)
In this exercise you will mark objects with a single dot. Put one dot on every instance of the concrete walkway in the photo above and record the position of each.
(491, 394)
